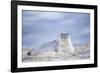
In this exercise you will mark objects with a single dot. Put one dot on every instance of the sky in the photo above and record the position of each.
(42, 26)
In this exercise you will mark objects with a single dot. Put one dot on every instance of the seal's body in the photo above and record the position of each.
(65, 44)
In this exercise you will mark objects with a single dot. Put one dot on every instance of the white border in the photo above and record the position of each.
(38, 64)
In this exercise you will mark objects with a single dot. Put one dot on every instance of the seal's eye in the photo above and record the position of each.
(62, 34)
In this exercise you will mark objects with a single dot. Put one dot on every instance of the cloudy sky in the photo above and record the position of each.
(42, 26)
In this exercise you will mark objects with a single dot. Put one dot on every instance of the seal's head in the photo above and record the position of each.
(64, 35)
